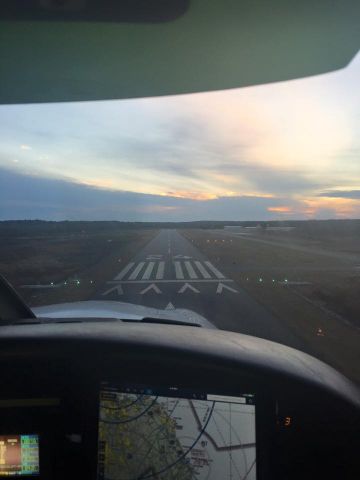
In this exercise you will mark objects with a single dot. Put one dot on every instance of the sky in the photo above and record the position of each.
(288, 150)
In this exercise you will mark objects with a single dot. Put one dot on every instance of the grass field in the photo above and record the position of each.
(76, 263)
(312, 287)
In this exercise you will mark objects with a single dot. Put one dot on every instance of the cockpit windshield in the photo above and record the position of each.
(241, 206)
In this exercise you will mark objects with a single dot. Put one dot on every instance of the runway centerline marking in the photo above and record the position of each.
(178, 270)
(124, 271)
(190, 270)
(202, 269)
(160, 271)
(148, 271)
(214, 270)
(136, 272)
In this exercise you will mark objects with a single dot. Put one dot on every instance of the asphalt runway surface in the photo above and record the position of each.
(171, 273)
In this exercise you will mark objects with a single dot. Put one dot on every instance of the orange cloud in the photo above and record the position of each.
(100, 183)
(259, 195)
(191, 195)
(342, 207)
(282, 209)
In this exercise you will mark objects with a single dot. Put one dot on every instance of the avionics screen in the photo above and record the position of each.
(19, 455)
(170, 433)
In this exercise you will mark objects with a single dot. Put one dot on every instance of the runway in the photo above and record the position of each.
(171, 273)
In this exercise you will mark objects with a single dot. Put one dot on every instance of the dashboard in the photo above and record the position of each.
(112, 400)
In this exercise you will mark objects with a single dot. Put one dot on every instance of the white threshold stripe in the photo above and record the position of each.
(148, 271)
(160, 271)
(124, 271)
(190, 270)
(202, 269)
(178, 270)
(136, 272)
(214, 270)
(199, 280)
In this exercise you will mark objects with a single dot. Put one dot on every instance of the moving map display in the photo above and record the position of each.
(168, 433)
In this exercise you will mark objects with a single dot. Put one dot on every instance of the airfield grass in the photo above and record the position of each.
(312, 287)
(85, 261)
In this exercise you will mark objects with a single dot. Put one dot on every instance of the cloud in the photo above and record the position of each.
(267, 179)
(191, 195)
(28, 197)
(188, 151)
(34, 197)
(223, 152)
(280, 209)
(353, 194)
(200, 144)
(331, 207)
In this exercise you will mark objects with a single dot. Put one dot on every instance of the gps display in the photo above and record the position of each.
(19, 455)
(171, 433)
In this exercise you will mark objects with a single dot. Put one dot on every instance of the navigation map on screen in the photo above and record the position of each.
(149, 433)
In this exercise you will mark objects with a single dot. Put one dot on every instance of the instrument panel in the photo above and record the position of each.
(129, 431)
(142, 402)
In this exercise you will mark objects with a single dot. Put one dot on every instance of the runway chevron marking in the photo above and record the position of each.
(187, 286)
(151, 287)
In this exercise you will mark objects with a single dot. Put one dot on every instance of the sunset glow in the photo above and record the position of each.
(285, 150)
(279, 209)
(191, 195)
(343, 207)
